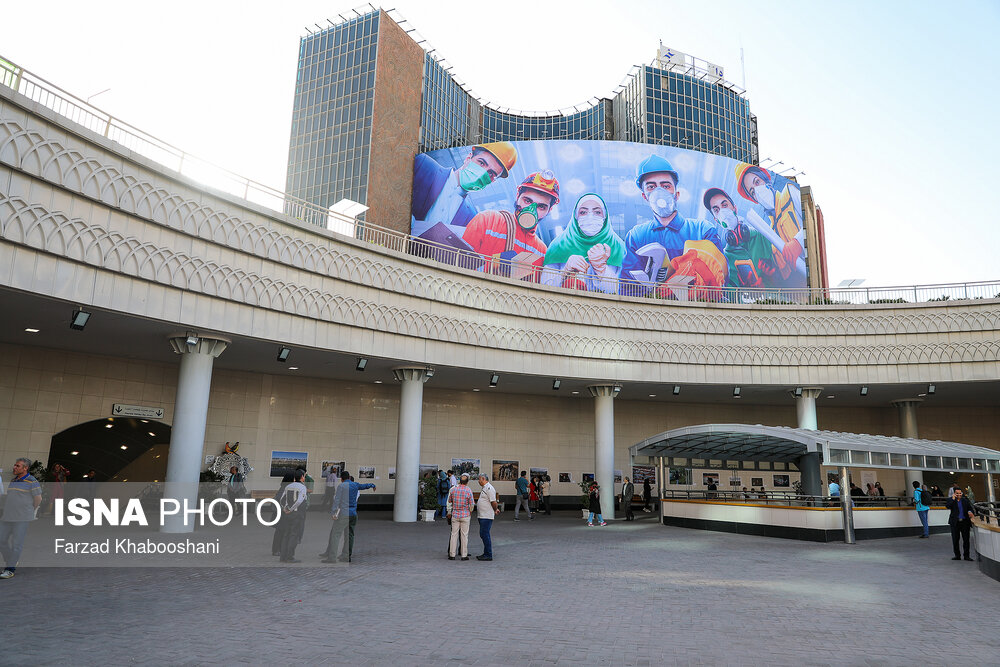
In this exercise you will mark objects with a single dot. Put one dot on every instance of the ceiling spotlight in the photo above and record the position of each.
(475, 390)
(576, 392)
(931, 389)
(78, 320)
(74, 453)
(283, 353)
(429, 372)
(378, 382)
(736, 392)
(677, 389)
(652, 395)
(494, 380)
(864, 391)
(30, 330)
(293, 368)
(362, 362)
(798, 392)
(124, 446)
(192, 339)
(556, 384)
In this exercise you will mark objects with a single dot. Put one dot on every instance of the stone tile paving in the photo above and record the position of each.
(558, 593)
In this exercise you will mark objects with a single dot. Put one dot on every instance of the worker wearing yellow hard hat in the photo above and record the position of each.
(439, 192)
(778, 197)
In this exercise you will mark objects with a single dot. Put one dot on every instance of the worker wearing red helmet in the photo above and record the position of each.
(501, 236)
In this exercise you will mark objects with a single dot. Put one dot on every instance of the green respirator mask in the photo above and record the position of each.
(473, 177)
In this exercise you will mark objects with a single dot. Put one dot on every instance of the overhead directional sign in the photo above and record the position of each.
(144, 411)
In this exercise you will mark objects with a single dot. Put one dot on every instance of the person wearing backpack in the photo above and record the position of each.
(444, 486)
(922, 501)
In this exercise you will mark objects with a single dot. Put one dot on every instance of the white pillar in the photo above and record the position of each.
(187, 434)
(411, 405)
(809, 464)
(908, 429)
(805, 407)
(604, 444)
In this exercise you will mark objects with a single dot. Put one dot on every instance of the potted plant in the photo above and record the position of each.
(428, 498)
(585, 498)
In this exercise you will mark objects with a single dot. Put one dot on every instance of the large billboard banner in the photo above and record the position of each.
(609, 216)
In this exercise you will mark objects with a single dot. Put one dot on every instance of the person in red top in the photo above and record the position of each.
(460, 503)
(502, 235)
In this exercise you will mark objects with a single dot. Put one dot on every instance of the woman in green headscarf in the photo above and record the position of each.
(588, 255)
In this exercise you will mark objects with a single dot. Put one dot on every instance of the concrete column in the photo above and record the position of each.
(661, 485)
(604, 444)
(809, 464)
(187, 433)
(411, 404)
(805, 407)
(908, 429)
(991, 494)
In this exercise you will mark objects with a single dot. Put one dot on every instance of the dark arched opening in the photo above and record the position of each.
(117, 449)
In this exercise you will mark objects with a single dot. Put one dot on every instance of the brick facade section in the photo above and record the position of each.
(395, 126)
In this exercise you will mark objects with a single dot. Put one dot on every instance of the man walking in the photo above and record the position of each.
(340, 513)
(922, 507)
(293, 519)
(628, 490)
(460, 513)
(521, 485)
(960, 521)
(24, 495)
(487, 509)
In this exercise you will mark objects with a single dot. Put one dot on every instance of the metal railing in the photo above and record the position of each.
(988, 512)
(783, 498)
(79, 111)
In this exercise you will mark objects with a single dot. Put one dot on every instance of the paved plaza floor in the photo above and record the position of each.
(558, 593)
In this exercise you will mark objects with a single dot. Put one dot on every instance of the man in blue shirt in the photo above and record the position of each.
(521, 486)
(921, 508)
(657, 180)
(345, 517)
(24, 495)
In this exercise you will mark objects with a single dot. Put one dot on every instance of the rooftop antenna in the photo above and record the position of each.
(743, 69)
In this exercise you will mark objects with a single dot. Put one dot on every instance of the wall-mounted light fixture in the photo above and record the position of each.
(362, 362)
(283, 353)
(192, 339)
(864, 391)
(494, 380)
(78, 320)
(556, 384)
(677, 389)
(798, 392)
(931, 389)
(736, 392)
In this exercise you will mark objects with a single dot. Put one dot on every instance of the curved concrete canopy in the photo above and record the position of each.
(747, 442)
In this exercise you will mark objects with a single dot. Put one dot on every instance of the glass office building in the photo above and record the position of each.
(351, 87)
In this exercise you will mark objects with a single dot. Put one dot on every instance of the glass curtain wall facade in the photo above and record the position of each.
(332, 113)
(331, 135)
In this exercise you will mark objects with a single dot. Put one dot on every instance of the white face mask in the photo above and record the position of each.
(590, 224)
(726, 217)
(662, 202)
(764, 195)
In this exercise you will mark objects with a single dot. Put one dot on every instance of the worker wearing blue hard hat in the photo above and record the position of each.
(652, 246)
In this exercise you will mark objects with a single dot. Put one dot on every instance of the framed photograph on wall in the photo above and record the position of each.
(681, 476)
(366, 472)
(466, 466)
(709, 478)
(780, 481)
(588, 477)
(565, 477)
(283, 462)
(618, 476)
(641, 473)
(392, 473)
(756, 481)
(505, 471)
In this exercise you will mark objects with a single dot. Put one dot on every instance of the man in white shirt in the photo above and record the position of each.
(332, 476)
(487, 509)
(293, 516)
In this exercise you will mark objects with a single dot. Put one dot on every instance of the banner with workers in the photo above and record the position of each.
(609, 216)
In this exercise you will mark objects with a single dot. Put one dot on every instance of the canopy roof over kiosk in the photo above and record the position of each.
(745, 442)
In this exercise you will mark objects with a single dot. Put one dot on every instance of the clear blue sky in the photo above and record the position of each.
(887, 106)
